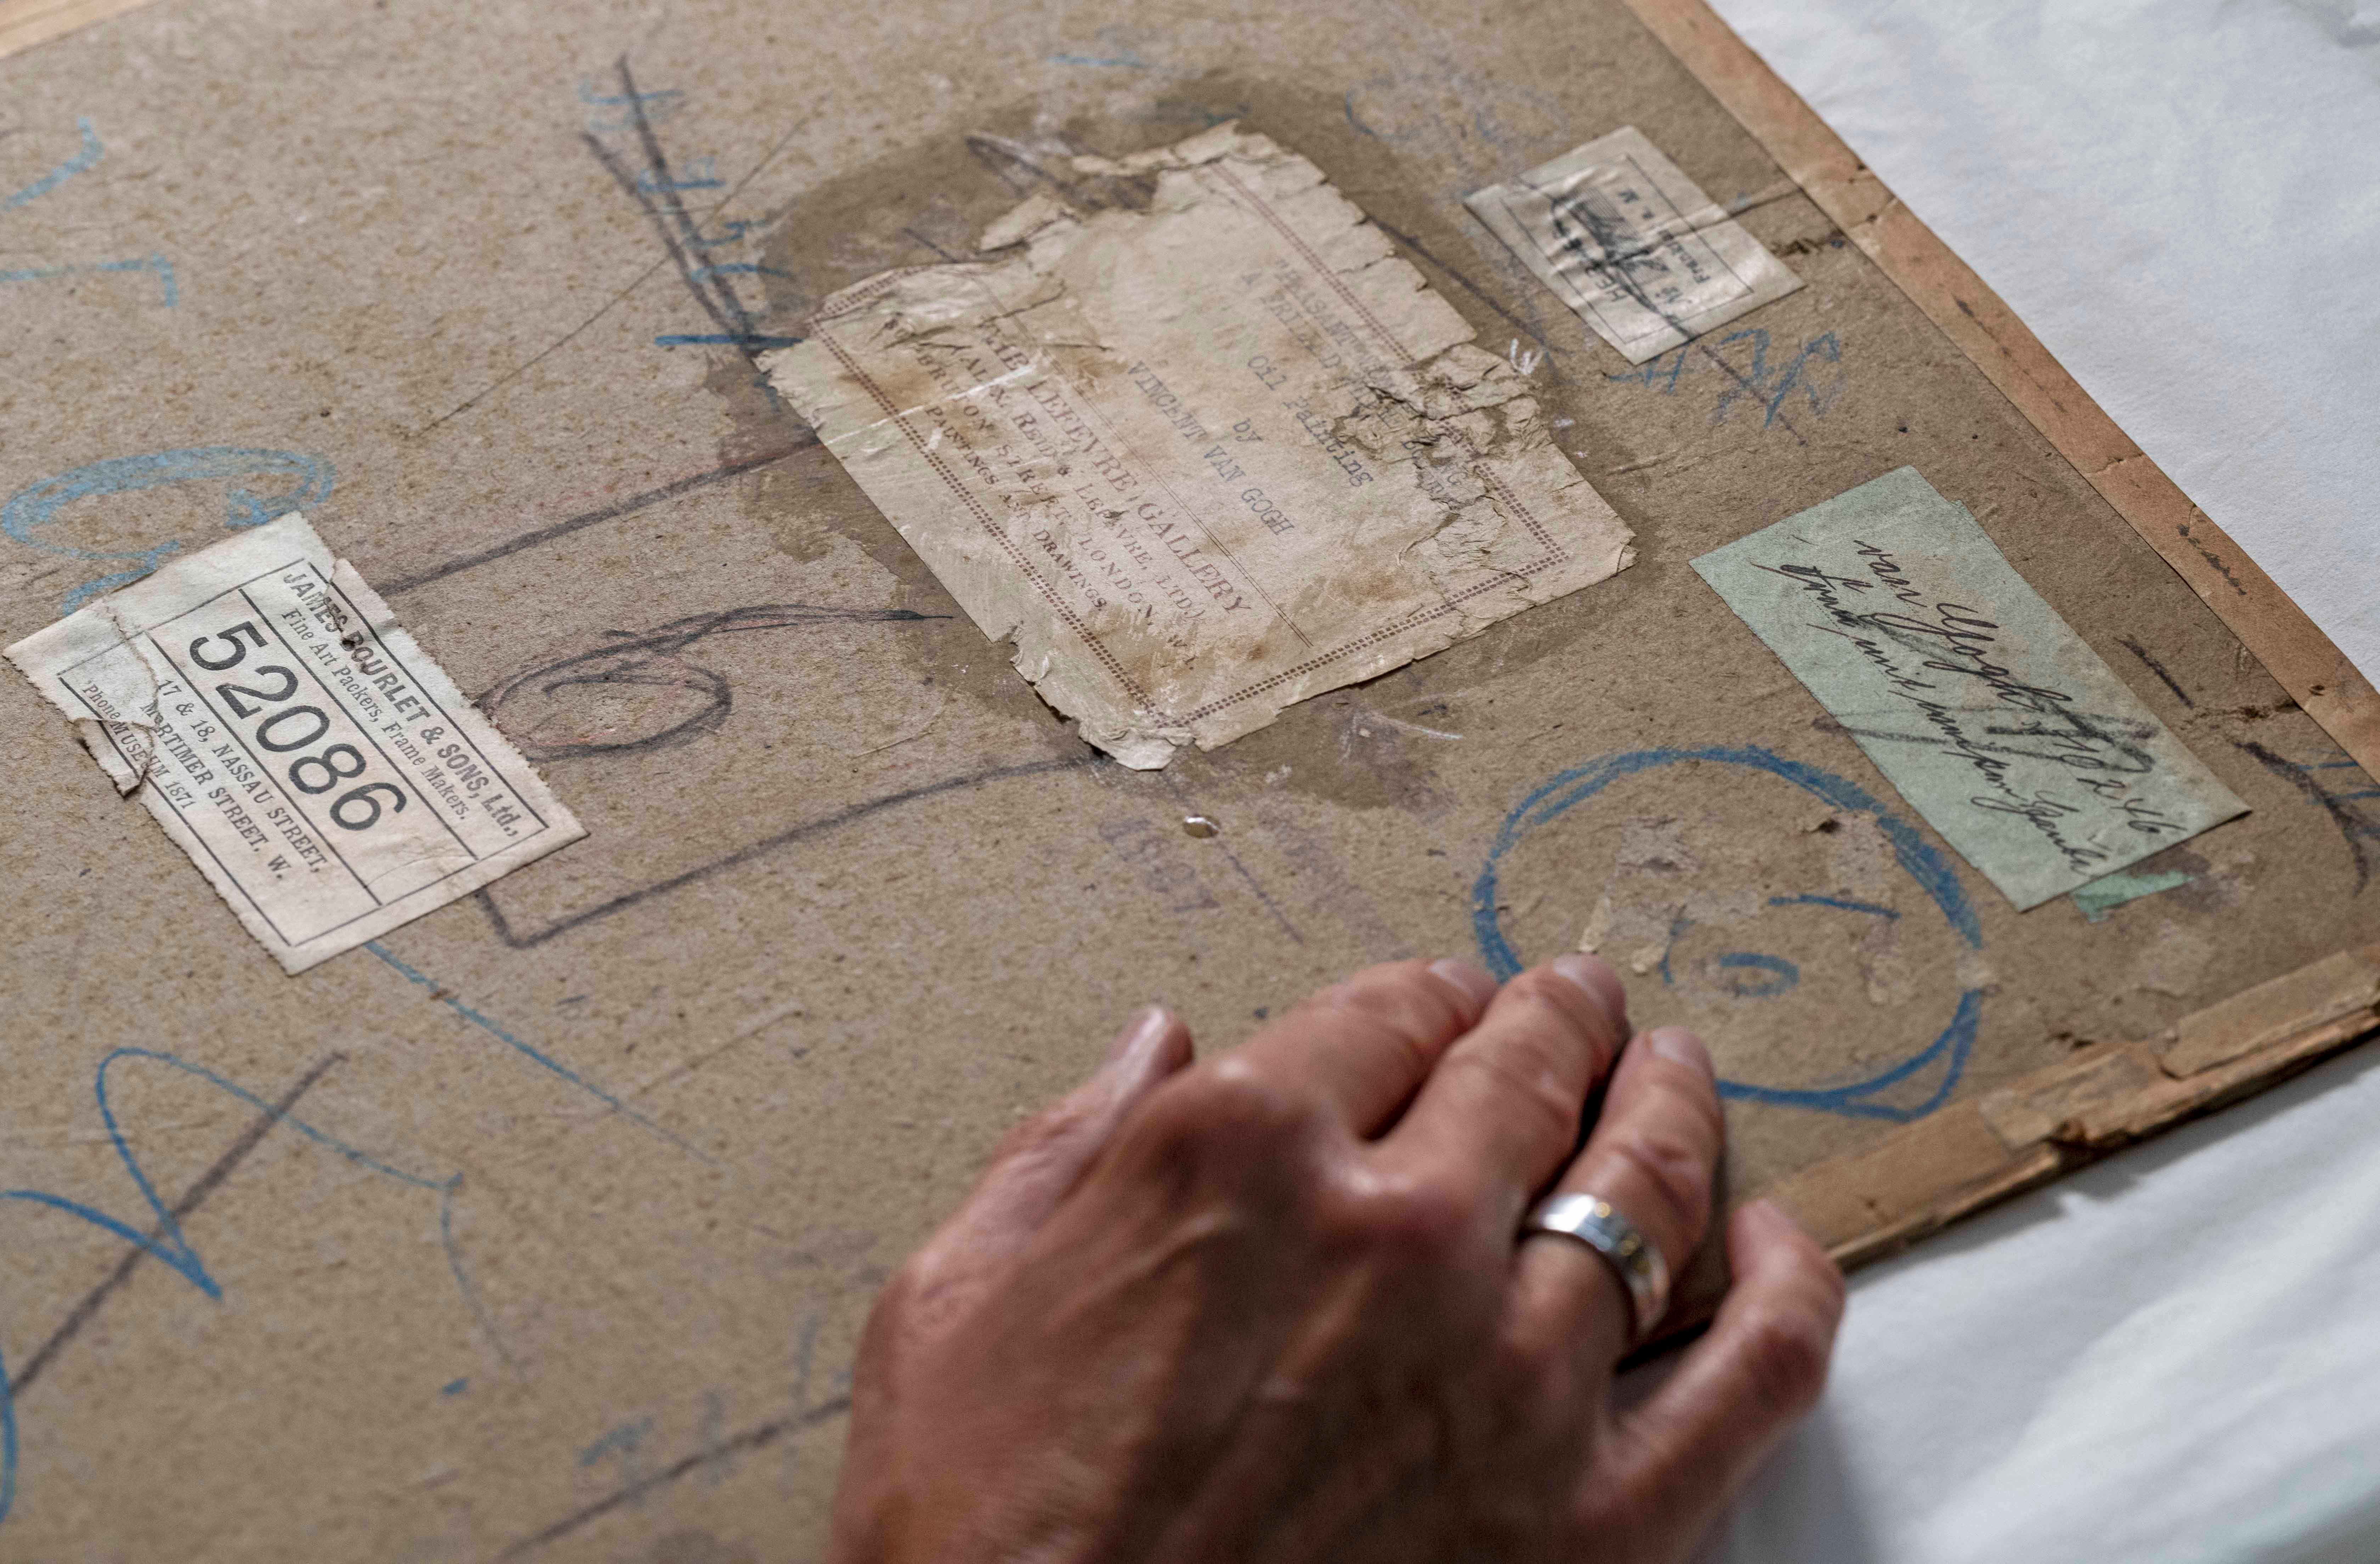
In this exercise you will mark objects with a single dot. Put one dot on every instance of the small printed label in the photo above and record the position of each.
(323, 772)
(1979, 703)
(1623, 237)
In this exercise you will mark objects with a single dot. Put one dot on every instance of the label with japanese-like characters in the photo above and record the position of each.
(1623, 237)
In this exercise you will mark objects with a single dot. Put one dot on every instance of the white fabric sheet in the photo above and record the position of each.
(2182, 198)
(2174, 1356)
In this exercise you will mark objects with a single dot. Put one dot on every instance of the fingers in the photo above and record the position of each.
(1690, 1447)
(1504, 1102)
(1364, 1046)
(1041, 1159)
(1652, 1157)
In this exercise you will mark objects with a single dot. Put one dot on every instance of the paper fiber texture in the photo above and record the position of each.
(1202, 453)
(1623, 237)
(1979, 703)
(324, 773)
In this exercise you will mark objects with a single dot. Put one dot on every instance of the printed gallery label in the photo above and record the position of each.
(326, 776)
(1202, 453)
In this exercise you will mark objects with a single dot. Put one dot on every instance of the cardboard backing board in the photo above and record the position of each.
(543, 1226)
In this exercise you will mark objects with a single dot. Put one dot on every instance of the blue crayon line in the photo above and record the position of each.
(1783, 974)
(173, 1247)
(1916, 858)
(1956, 1040)
(89, 155)
(157, 264)
(423, 980)
(722, 339)
(1845, 903)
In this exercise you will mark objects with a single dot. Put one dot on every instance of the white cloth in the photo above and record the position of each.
(2174, 1356)
(2182, 198)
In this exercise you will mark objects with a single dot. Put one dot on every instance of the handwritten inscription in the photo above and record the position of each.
(1968, 691)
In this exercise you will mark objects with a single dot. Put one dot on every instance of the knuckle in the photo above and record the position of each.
(1676, 1167)
(1528, 1072)
(1786, 1352)
(910, 1291)
(1037, 1135)
(1422, 1219)
(1566, 1008)
(1225, 1110)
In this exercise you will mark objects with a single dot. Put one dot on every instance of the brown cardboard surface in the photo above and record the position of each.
(542, 1228)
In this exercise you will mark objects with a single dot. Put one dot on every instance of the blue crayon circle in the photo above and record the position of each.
(1934, 874)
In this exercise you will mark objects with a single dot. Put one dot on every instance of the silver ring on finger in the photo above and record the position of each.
(1636, 1259)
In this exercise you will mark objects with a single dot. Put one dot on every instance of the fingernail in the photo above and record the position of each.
(1139, 1034)
(1602, 984)
(1677, 1043)
(1468, 976)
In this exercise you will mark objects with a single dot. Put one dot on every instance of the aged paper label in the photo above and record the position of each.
(1623, 237)
(1201, 453)
(1980, 704)
(324, 773)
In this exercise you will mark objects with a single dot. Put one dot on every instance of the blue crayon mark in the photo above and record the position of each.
(423, 980)
(1845, 903)
(656, 106)
(1825, 350)
(702, 174)
(305, 481)
(1916, 858)
(621, 1440)
(731, 231)
(1678, 926)
(455, 1387)
(173, 1247)
(740, 269)
(1782, 974)
(89, 155)
(1650, 373)
(157, 264)
(722, 339)
(1760, 381)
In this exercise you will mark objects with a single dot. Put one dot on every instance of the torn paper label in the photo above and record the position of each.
(1979, 703)
(324, 773)
(1623, 237)
(1201, 459)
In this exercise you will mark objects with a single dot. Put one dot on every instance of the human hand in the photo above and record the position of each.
(1272, 1306)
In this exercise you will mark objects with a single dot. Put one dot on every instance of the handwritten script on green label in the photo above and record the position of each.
(1971, 695)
